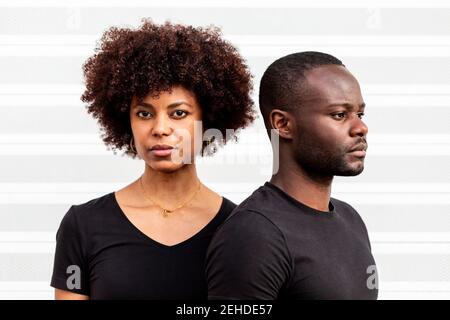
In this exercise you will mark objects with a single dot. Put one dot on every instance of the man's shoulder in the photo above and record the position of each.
(348, 212)
(343, 207)
(253, 213)
(260, 201)
(251, 225)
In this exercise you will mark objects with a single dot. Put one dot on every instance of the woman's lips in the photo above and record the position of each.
(162, 152)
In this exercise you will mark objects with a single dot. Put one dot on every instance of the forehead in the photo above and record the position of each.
(165, 98)
(332, 83)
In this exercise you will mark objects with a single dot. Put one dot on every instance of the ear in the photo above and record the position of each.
(283, 122)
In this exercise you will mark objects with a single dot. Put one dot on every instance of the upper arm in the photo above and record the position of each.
(361, 224)
(70, 267)
(67, 295)
(247, 259)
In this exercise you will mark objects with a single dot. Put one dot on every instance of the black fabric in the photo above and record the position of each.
(274, 247)
(117, 261)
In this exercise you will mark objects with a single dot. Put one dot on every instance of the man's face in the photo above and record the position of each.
(328, 124)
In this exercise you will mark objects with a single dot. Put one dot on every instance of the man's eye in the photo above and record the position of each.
(339, 115)
(179, 113)
(360, 115)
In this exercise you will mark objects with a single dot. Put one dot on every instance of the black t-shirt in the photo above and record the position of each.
(274, 247)
(100, 253)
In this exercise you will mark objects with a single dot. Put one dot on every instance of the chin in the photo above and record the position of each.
(351, 171)
(166, 166)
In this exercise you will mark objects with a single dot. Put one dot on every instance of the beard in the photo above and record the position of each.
(320, 161)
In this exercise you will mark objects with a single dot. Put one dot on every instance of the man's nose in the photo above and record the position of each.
(359, 128)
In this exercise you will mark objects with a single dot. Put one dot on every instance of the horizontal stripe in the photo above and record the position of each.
(369, 89)
(375, 237)
(424, 295)
(245, 50)
(410, 248)
(241, 152)
(253, 146)
(356, 194)
(388, 286)
(382, 295)
(377, 248)
(229, 3)
(269, 40)
(382, 237)
(57, 99)
(237, 197)
(253, 134)
(412, 286)
(237, 187)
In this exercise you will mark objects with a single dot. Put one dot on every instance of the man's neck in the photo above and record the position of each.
(310, 190)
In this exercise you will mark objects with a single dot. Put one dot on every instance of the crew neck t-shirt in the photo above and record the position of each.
(275, 247)
(102, 254)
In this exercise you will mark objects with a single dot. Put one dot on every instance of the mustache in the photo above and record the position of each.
(360, 145)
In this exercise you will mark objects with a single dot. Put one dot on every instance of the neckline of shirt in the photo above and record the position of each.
(302, 206)
(213, 222)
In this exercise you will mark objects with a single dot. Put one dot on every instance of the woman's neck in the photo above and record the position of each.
(170, 188)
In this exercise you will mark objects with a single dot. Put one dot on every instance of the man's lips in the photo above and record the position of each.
(359, 150)
(358, 153)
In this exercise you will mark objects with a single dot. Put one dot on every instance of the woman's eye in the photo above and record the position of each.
(179, 113)
(146, 114)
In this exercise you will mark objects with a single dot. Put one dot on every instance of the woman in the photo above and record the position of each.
(150, 88)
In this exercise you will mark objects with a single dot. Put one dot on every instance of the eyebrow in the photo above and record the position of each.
(346, 105)
(170, 106)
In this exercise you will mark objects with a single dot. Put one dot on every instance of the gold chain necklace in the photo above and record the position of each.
(165, 211)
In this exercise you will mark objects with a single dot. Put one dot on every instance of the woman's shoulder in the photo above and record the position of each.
(90, 209)
(98, 209)
(101, 202)
(226, 208)
(83, 218)
(228, 205)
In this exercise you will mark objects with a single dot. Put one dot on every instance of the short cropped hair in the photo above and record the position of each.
(283, 82)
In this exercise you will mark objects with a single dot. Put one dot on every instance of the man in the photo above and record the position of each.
(290, 239)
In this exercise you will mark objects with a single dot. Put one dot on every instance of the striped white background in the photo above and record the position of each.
(51, 155)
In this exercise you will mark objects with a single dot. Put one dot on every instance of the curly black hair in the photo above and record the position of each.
(154, 58)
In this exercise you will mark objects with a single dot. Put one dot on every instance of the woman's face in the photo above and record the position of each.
(165, 129)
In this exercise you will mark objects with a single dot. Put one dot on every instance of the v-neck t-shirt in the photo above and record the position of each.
(102, 254)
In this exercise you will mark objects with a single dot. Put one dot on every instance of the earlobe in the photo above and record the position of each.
(282, 122)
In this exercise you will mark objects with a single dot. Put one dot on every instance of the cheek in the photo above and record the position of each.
(322, 137)
(187, 128)
(136, 128)
(189, 134)
(314, 133)
(330, 132)
(137, 125)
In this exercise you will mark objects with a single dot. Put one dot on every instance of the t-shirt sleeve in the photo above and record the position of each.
(362, 225)
(70, 271)
(247, 259)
